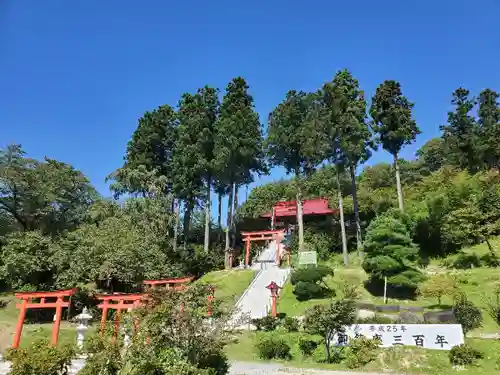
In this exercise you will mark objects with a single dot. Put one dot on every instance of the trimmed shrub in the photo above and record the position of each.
(375, 319)
(41, 359)
(305, 291)
(463, 355)
(467, 314)
(462, 261)
(273, 347)
(361, 352)
(307, 347)
(310, 274)
(267, 323)
(490, 260)
(291, 324)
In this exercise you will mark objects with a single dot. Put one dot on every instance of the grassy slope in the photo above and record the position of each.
(400, 360)
(475, 283)
(229, 285)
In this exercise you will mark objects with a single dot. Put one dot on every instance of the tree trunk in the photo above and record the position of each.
(187, 221)
(176, 225)
(359, 238)
(490, 247)
(229, 223)
(233, 220)
(206, 243)
(327, 347)
(342, 223)
(300, 216)
(219, 211)
(398, 184)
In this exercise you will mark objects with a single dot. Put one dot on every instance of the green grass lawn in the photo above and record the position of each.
(229, 285)
(400, 360)
(476, 283)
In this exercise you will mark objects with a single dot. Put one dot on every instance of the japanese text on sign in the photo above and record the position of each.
(429, 336)
(307, 257)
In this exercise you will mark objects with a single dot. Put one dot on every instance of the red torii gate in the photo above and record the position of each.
(176, 283)
(264, 235)
(27, 303)
(118, 302)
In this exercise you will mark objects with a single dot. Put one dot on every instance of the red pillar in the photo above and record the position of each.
(57, 322)
(104, 315)
(273, 308)
(278, 240)
(247, 254)
(209, 306)
(19, 325)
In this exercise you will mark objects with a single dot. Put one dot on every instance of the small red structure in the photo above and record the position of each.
(176, 283)
(264, 235)
(58, 304)
(274, 289)
(117, 302)
(318, 206)
(211, 296)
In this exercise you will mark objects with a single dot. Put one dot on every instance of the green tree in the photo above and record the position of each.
(432, 155)
(194, 156)
(437, 287)
(330, 320)
(461, 133)
(48, 195)
(489, 123)
(238, 143)
(350, 136)
(296, 142)
(390, 253)
(394, 124)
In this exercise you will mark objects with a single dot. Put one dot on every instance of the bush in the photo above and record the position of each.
(490, 260)
(361, 352)
(493, 305)
(305, 291)
(273, 347)
(267, 323)
(462, 261)
(41, 359)
(375, 319)
(310, 274)
(463, 355)
(437, 287)
(291, 324)
(467, 314)
(307, 347)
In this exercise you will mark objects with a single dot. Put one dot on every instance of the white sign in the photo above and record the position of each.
(429, 336)
(307, 257)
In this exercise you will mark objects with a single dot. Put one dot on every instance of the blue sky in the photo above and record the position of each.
(76, 75)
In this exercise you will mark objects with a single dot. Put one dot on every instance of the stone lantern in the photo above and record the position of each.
(83, 319)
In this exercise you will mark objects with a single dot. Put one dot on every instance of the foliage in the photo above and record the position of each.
(40, 358)
(305, 291)
(314, 240)
(462, 261)
(170, 337)
(273, 347)
(307, 346)
(48, 195)
(466, 313)
(329, 320)
(391, 253)
(493, 304)
(375, 319)
(311, 274)
(463, 354)
(291, 324)
(361, 351)
(26, 260)
(438, 286)
(267, 323)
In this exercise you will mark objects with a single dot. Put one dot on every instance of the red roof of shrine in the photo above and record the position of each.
(318, 206)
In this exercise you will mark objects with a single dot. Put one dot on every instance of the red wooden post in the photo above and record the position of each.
(57, 322)
(273, 309)
(273, 288)
(104, 315)
(20, 323)
(247, 254)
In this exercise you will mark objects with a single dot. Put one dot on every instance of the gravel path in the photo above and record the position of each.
(249, 368)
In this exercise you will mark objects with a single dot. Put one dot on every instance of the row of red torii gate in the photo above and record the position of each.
(125, 302)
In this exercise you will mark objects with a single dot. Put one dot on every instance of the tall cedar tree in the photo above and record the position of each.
(461, 133)
(238, 143)
(351, 135)
(489, 123)
(295, 141)
(194, 156)
(150, 150)
(393, 122)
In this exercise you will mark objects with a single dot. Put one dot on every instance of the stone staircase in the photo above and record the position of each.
(256, 300)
